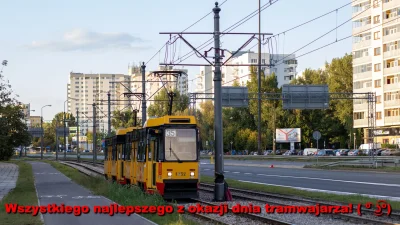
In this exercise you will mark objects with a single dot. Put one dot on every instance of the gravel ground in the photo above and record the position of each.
(286, 202)
(298, 219)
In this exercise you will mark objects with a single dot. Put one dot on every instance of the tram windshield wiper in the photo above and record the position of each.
(170, 150)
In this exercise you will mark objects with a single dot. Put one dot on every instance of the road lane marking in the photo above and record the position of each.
(248, 173)
(235, 172)
(324, 179)
(226, 171)
(207, 169)
(327, 191)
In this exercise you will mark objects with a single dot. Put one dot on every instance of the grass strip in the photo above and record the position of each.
(23, 194)
(357, 168)
(123, 195)
(354, 199)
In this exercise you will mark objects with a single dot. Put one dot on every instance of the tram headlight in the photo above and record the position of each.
(169, 174)
(192, 174)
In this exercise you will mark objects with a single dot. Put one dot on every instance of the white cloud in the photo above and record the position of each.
(83, 40)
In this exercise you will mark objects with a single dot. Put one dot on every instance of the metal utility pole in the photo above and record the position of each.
(144, 104)
(77, 135)
(259, 78)
(219, 148)
(94, 135)
(218, 55)
(41, 126)
(109, 113)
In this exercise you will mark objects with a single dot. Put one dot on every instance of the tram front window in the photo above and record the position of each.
(180, 145)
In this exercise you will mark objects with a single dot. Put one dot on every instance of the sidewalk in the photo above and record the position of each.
(8, 178)
(54, 187)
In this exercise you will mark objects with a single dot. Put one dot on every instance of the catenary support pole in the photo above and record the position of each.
(109, 113)
(219, 173)
(144, 104)
(94, 134)
(77, 135)
(259, 79)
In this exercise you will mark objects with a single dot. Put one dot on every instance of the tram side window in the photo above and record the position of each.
(128, 149)
(160, 149)
(114, 151)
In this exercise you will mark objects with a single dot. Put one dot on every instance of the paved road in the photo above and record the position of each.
(55, 188)
(339, 182)
(260, 162)
(8, 178)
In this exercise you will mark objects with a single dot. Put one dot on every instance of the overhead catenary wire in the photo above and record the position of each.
(229, 29)
(330, 31)
(342, 39)
(183, 31)
(307, 22)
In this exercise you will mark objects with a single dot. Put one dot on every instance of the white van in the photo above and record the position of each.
(310, 151)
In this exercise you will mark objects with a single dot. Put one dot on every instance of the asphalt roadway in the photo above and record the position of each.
(55, 188)
(374, 184)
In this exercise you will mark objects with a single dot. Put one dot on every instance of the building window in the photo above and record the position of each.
(377, 19)
(378, 99)
(359, 115)
(377, 35)
(391, 112)
(377, 67)
(378, 115)
(377, 51)
(376, 3)
(378, 83)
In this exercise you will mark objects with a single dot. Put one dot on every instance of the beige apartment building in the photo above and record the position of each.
(86, 89)
(376, 65)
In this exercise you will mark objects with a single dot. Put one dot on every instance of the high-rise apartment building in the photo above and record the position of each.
(284, 68)
(86, 89)
(376, 68)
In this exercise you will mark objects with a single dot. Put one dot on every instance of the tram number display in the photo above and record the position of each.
(180, 174)
(170, 133)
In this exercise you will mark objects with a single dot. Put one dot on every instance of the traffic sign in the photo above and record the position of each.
(316, 135)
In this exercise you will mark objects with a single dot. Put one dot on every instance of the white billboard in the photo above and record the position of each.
(81, 139)
(287, 135)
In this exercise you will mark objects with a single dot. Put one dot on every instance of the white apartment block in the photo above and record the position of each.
(376, 67)
(155, 84)
(86, 89)
(284, 68)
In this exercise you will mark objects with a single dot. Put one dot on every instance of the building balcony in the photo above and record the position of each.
(361, 123)
(361, 29)
(362, 44)
(391, 87)
(390, 5)
(391, 103)
(390, 120)
(391, 37)
(391, 21)
(362, 13)
(360, 107)
(362, 60)
(391, 70)
(393, 53)
(362, 76)
(356, 2)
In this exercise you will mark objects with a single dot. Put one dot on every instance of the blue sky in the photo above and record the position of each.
(45, 40)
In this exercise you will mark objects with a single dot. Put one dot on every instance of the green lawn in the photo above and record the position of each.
(24, 194)
(123, 195)
(355, 199)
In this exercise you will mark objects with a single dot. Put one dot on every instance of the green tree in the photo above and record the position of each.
(125, 119)
(160, 106)
(13, 130)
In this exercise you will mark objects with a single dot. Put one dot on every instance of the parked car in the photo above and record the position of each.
(344, 152)
(325, 152)
(355, 153)
(310, 151)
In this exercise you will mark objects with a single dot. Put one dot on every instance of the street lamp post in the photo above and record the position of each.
(354, 140)
(41, 126)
